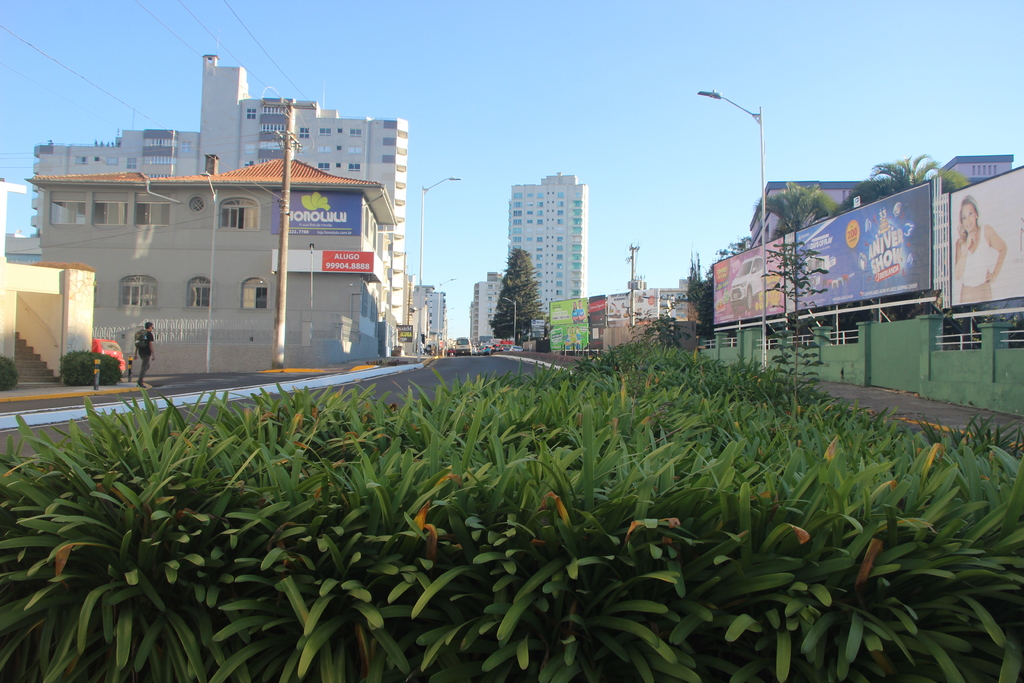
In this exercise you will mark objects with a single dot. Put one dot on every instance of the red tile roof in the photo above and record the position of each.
(267, 173)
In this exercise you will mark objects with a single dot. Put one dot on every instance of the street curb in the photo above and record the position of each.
(54, 416)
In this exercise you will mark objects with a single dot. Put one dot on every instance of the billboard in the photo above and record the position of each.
(646, 306)
(597, 310)
(404, 333)
(987, 241)
(878, 250)
(338, 214)
(570, 329)
(739, 286)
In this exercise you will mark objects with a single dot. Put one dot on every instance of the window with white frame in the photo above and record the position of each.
(355, 150)
(254, 293)
(271, 127)
(81, 160)
(250, 113)
(113, 161)
(273, 110)
(354, 167)
(185, 147)
(355, 132)
(149, 212)
(63, 212)
(198, 292)
(303, 132)
(239, 214)
(324, 165)
(131, 163)
(325, 131)
(159, 161)
(137, 290)
(110, 213)
(160, 142)
(324, 149)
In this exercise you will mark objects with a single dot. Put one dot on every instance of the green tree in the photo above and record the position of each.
(518, 285)
(795, 267)
(700, 291)
(889, 178)
(797, 207)
(738, 247)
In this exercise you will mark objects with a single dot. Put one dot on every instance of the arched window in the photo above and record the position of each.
(137, 290)
(239, 214)
(198, 292)
(254, 293)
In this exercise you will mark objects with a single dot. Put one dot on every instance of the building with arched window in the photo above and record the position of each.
(196, 251)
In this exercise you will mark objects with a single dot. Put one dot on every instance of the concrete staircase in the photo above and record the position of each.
(32, 371)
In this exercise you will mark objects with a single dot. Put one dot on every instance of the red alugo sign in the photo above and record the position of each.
(347, 261)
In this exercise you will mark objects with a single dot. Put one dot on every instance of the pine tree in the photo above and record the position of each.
(518, 285)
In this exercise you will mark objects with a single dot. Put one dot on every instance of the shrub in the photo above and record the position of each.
(655, 517)
(8, 373)
(76, 368)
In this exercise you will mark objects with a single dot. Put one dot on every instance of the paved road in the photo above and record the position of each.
(50, 413)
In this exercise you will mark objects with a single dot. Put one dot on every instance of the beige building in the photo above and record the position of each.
(242, 129)
(196, 255)
(485, 300)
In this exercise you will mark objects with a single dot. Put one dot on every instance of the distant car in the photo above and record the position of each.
(486, 350)
(463, 347)
(515, 348)
(109, 347)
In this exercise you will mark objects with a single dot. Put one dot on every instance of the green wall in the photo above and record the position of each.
(904, 356)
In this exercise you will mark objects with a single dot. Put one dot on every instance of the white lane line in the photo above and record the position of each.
(38, 418)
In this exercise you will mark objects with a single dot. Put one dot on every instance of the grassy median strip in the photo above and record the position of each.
(649, 516)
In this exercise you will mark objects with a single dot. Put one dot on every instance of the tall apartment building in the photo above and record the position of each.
(549, 221)
(485, 300)
(431, 314)
(241, 129)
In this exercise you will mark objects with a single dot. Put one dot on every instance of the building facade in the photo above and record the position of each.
(430, 315)
(243, 130)
(197, 255)
(550, 222)
(485, 300)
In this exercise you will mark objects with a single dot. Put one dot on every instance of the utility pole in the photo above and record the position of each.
(633, 248)
(287, 141)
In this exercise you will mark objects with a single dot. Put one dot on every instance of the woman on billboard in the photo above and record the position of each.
(980, 253)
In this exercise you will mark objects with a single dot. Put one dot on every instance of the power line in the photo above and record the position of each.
(58, 95)
(168, 28)
(297, 89)
(61, 64)
(237, 60)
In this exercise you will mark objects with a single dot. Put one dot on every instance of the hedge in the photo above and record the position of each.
(651, 516)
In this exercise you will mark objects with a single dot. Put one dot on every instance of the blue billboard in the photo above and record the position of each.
(339, 214)
(878, 250)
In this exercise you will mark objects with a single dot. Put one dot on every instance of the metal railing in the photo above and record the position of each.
(841, 337)
(959, 342)
(1012, 339)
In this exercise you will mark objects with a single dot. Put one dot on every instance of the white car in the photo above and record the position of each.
(749, 284)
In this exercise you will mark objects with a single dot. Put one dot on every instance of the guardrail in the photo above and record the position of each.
(841, 337)
(1012, 339)
(959, 342)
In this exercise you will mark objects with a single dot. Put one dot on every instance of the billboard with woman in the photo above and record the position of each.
(987, 221)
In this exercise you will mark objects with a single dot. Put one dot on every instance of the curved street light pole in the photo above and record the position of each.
(515, 316)
(759, 117)
(423, 203)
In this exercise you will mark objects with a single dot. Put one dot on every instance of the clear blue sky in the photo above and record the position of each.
(500, 93)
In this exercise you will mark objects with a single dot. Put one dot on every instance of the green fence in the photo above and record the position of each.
(906, 356)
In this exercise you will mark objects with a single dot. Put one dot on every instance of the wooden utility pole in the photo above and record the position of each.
(287, 141)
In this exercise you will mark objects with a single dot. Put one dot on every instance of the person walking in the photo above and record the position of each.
(144, 349)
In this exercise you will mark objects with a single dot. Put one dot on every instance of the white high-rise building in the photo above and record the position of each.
(549, 221)
(241, 130)
(485, 300)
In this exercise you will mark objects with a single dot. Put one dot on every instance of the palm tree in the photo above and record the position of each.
(797, 207)
(892, 177)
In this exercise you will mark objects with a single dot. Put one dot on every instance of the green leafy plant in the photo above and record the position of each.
(76, 368)
(650, 516)
(8, 373)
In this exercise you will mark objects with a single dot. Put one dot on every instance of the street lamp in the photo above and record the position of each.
(515, 315)
(759, 117)
(423, 202)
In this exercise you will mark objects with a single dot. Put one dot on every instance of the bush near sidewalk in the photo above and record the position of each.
(76, 368)
(650, 516)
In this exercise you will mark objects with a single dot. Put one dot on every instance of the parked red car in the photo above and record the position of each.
(110, 348)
